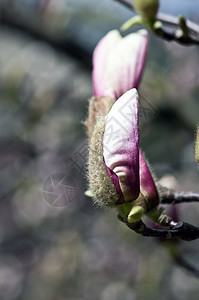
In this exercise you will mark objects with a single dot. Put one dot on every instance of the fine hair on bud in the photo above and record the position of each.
(100, 184)
(97, 107)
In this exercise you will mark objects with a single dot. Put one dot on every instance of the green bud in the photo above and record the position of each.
(197, 146)
(146, 8)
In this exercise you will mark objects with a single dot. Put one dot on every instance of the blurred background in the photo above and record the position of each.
(54, 244)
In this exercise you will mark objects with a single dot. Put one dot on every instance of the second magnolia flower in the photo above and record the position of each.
(118, 63)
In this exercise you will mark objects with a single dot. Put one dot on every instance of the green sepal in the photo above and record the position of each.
(155, 213)
(197, 146)
(156, 25)
(183, 26)
(135, 214)
(124, 210)
(88, 193)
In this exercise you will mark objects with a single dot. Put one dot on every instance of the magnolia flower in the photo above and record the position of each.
(119, 174)
(117, 67)
(118, 63)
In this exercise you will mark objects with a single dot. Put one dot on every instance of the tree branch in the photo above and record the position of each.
(176, 35)
(183, 231)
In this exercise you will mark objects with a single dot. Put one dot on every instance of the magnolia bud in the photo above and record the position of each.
(146, 8)
(197, 146)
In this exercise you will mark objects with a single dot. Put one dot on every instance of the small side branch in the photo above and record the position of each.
(170, 21)
(169, 196)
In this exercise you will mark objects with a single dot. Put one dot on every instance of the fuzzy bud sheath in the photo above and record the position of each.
(100, 184)
(97, 107)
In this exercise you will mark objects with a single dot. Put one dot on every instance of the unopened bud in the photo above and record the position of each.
(146, 8)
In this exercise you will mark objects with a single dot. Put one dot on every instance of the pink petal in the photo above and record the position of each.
(121, 143)
(124, 66)
(101, 56)
(147, 185)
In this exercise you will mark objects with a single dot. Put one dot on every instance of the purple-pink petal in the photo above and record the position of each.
(118, 63)
(147, 185)
(126, 63)
(114, 179)
(121, 143)
(101, 55)
(141, 57)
